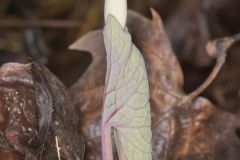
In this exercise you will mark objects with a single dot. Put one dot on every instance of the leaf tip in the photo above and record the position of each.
(73, 46)
(156, 17)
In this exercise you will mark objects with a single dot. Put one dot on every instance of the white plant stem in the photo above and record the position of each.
(118, 9)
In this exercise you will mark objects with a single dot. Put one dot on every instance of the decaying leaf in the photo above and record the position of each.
(45, 102)
(87, 93)
(35, 108)
(190, 130)
(161, 64)
(126, 97)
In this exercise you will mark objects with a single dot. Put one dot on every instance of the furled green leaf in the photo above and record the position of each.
(126, 104)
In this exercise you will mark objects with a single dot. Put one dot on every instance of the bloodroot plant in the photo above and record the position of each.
(126, 109)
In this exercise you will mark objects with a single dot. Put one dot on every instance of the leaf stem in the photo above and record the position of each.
(219, 49)
(106, 143)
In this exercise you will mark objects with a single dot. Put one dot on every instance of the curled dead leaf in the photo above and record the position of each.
(35, 107)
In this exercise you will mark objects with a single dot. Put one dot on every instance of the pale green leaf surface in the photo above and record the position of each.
(126, 105)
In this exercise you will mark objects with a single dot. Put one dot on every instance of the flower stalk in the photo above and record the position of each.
(118, 9)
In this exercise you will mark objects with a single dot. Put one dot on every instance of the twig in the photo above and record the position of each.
(19, 23)
(58, 148)
(217, 48)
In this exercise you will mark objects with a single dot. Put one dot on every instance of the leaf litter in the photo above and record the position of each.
(185, 126)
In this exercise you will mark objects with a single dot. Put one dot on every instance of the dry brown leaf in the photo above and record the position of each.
(186, 131)
(167, 76)
(35, 107)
